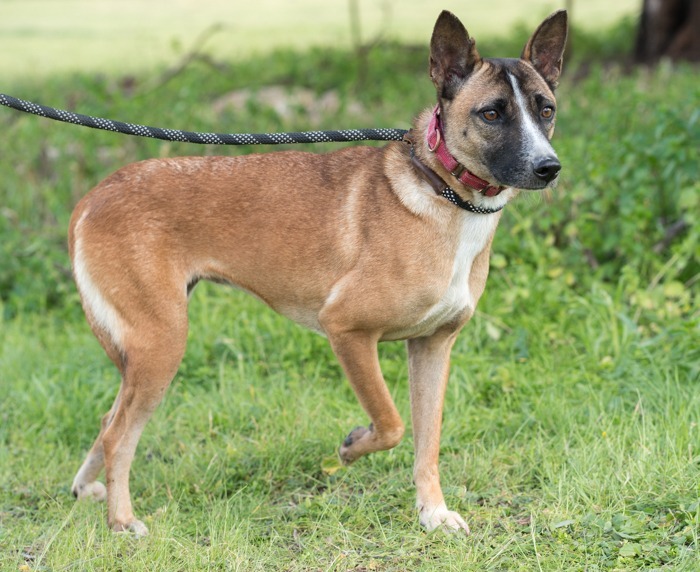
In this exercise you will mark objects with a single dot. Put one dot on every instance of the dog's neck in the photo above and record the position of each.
(442, 189)
(427, 165)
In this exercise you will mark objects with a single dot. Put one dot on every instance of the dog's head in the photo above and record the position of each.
(498, 115)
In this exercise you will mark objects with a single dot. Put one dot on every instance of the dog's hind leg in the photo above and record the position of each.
(357, 353)
(85, 483)
(151, 361)
(152, 358)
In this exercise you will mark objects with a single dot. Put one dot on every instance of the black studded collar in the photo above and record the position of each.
(444, 190)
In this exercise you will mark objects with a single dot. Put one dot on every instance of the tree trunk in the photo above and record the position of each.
(669, 28)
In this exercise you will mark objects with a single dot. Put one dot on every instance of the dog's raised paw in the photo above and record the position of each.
(95, 491)
(355, 435)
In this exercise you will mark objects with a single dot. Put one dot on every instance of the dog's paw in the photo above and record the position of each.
(135, 527)
(440, 517)
(95, 491)
(346, 454)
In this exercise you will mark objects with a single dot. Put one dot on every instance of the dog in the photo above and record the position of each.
(362, 245)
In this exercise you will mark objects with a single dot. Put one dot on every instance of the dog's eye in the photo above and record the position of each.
(490, 114)
(547, 112)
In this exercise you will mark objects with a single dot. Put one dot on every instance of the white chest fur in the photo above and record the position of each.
(473, 237)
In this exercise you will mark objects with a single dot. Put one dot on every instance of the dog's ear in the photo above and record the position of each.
(453, 55)
(545, 49)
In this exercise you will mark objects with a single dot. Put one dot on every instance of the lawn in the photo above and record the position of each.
(570, 435)
(45, 37)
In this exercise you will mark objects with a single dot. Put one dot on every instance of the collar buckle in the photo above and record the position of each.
(459, 169)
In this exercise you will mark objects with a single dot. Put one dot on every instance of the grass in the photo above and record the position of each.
(582, 455)
(45, 37)
(570, 435)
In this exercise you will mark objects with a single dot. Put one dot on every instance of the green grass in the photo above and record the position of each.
(581, 452)
(45, 37)
(570, 436)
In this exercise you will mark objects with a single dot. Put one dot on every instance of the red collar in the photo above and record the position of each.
(436, 144)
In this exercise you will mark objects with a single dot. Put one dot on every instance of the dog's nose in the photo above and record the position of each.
(547, 168)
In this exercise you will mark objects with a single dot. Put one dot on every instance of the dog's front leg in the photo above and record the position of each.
(429, 360)
(357, 354)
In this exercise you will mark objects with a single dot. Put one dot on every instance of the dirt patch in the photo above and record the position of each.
(288, 103)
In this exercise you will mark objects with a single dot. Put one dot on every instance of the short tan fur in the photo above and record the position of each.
(354, 244)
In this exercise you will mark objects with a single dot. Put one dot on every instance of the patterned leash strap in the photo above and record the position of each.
(343, 135)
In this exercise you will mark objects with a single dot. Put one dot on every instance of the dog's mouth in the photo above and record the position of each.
(527, 182)
(545, 185)
(539, 187)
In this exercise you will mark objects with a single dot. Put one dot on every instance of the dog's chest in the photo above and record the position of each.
(474, 235)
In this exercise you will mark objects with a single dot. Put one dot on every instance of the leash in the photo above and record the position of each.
(337, 136)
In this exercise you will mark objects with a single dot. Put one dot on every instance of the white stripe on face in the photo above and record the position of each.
(536, 143)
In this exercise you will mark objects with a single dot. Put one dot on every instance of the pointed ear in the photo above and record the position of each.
(453, 55)
(545, 49)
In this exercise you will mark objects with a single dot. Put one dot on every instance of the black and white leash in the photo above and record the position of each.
(341, 136)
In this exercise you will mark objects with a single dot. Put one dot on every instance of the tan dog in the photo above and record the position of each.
(361, 245)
